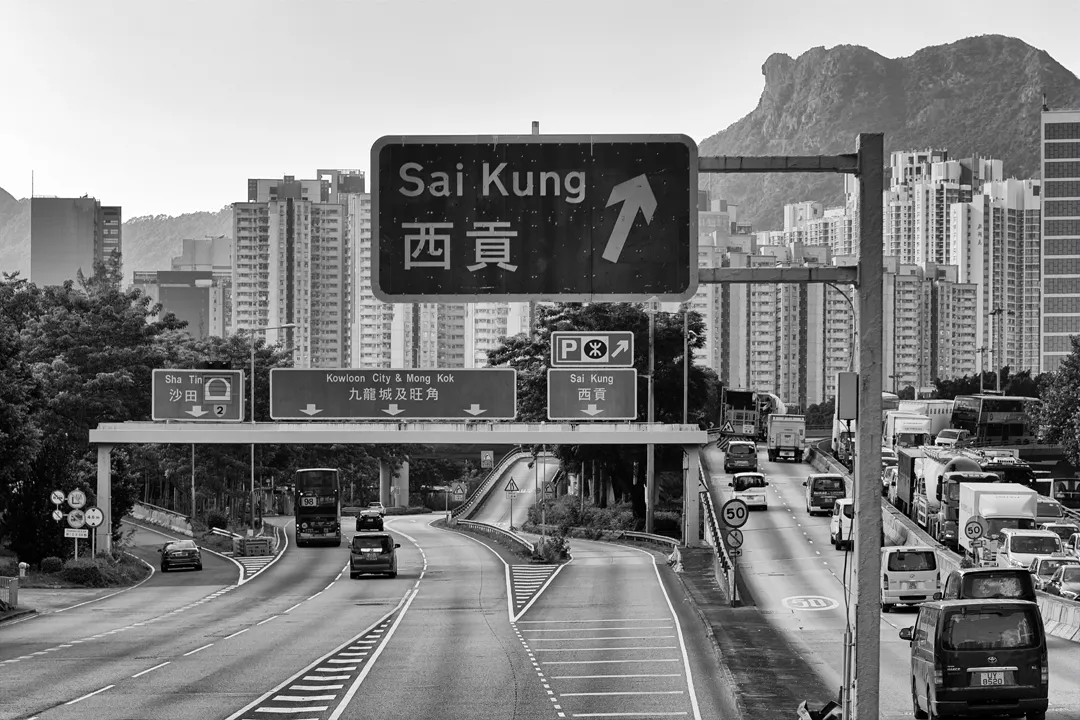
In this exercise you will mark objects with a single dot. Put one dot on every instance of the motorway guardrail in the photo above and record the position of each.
(722, 561)
(649, 538)
(496, 531)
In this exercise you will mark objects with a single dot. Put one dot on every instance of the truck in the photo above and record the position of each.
(909, 463)
(1000, 505)
(900, 429)
(786, 437)
(939, 412)
(936, 499)
(739, 418)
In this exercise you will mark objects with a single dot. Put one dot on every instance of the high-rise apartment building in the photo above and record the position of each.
(69, 235)
(1060, 235)
(294, 263)
(198, 288)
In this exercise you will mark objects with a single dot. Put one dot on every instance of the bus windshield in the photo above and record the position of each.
(316, 480)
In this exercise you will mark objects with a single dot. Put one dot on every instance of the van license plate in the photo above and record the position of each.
(989, 679)
(911, 585)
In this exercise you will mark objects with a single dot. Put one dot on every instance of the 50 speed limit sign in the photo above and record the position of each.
(734, 513)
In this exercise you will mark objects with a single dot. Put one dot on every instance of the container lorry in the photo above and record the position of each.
(786, 437)
(900, 430)
(1000, 505)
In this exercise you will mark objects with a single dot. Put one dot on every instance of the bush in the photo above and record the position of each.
(217, 519)
(52, 565)
(89, 572)
(9, 567)
(407, 511)
(552, 548)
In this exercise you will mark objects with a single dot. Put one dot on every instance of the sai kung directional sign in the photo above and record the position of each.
(592, 394)
(367, 394)
(589, 218)
(594, 349)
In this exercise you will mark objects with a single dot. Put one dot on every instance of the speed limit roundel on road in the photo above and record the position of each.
(734, 513)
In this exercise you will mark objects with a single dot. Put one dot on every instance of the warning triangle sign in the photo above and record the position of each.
(511, 486)
(727, 428)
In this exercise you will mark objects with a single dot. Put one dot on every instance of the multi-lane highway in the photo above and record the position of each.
(795, 577)
(498, 509)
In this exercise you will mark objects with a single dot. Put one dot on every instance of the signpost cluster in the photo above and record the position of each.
(592, 376)
(733, 515)
(78, 520)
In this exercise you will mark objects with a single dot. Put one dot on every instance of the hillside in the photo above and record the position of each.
(150, 242)
(981, 95)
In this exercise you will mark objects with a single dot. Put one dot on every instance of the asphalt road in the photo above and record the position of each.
(794, 576)
(178, 647)
(498, 509)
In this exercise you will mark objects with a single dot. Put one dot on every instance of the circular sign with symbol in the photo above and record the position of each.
(734, 513)
(76, 499)
(57, 497)
(595, 349)
(76, 518)
(810, 602)
(733, 538)
(57, 515)
(975, 528)
(94, 516)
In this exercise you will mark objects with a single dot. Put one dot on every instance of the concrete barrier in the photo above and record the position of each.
(162, 518)
(1060, 616)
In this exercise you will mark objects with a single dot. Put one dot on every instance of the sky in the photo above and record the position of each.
(169, 107)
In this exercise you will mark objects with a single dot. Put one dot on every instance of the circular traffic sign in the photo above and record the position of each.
(57, 497)
(76, 518)
(733, 538)
(57, 515)
(975, 528)
(734, 513)
(595, 349)
(76, 499)
(94, 516)
(810, 602)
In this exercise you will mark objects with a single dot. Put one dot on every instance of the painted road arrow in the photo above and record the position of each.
(635, 194)
(406, 394)
(583, 393)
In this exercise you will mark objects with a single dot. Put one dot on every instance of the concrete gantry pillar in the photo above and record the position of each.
(103, 532)
(691, 499)
(398, 482)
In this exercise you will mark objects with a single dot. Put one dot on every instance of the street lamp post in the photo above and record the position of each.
(252, 331)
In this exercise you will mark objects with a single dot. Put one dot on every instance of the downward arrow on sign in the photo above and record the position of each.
(197, 411)
(311, 409)
(592, 410)
(635, 194)
(393, 410)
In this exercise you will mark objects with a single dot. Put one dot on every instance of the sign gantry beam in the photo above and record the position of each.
(844, 164)
(847, 275)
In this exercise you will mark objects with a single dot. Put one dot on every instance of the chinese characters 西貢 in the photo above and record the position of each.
(592, 393)
(427, 245)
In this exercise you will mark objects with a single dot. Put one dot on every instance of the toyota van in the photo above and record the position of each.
(909, 575)
(373, 553)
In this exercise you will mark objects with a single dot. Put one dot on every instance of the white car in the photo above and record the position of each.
(750, 488)
(376, 507)
(841, 533)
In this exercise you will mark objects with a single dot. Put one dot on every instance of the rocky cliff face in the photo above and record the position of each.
(978, 96)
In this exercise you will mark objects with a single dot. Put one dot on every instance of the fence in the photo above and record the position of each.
(9, 591)
(497, 532)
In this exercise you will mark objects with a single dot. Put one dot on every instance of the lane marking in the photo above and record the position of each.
(263, 622)
(197, 650)
(238, 632)
(625, 675)
(160, 665)
(89, 695)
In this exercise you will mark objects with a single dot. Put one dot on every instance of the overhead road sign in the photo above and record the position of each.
(407, 394)
(198, 395)
(589, 218)
(592, 349)
(592, 394)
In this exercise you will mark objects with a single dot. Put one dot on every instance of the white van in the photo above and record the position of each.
(909, 575)
(1019, 547)
(840, 532)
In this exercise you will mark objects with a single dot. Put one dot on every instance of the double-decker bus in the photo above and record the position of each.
(996, 419)
(318, 506)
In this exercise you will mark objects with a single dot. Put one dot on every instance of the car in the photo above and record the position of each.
(909, 575)
(843, 515)
(369, 520)
(1063, 530)
(822, 489)
(1043, 568)
(990, 583)
(180, 554)
(373, 553)
(377, 507)
(750, 488)
(1065, 582)
(740, 455)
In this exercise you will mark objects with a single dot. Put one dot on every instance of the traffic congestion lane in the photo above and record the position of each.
(208, 657)
(498, 509)
(454, 654)
(807, 604)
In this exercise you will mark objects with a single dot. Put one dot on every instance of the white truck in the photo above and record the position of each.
(902, 429)
(1000, 505)
(787, 437)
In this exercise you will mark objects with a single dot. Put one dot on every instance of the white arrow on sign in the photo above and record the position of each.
(620, 347)
(592, 410)
(635, 194)
(475, 409)
(311, 409)
(196, 411)
(393, 410)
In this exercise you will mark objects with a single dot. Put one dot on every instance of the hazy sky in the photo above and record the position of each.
(170, 106)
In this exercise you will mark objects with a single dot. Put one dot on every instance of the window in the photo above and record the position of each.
(994, 586)
(1034, 544)
(741, 449)
(1049, 567)
(377, 544)
(990, 629)
(828, 484)
(916, 561)
(745, 482)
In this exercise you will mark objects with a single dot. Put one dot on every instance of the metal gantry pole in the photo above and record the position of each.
(651, 495)
(686, 364)
(253, 423)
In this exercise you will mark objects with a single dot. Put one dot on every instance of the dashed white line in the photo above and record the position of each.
(192, 652)
(316, 595)
(295, 606)
(89, 695)
(159, 665)
(263, 622)
(238, 632)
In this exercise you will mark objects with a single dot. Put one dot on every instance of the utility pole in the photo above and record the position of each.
(686, 364)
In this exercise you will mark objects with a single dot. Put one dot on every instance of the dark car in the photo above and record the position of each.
(181, 554)
(368, 521)
(990, 583)
(740, 455)
(373, 553)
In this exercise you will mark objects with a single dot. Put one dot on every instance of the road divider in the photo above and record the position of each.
(494, 531)
(161, 517)
(1060, 616)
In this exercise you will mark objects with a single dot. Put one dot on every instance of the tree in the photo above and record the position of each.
(1021, 384)
(1059, 416)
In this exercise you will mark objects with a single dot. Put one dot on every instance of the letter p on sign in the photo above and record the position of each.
(567, 346)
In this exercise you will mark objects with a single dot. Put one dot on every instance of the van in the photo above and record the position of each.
(982, 583)
(740, 455)
(373, 553)
(843, 513)
(909, 575)
(822, 490)
(750, 488)
(971, 658)
(1019, 547)
(1049, 511)
(952, 438)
